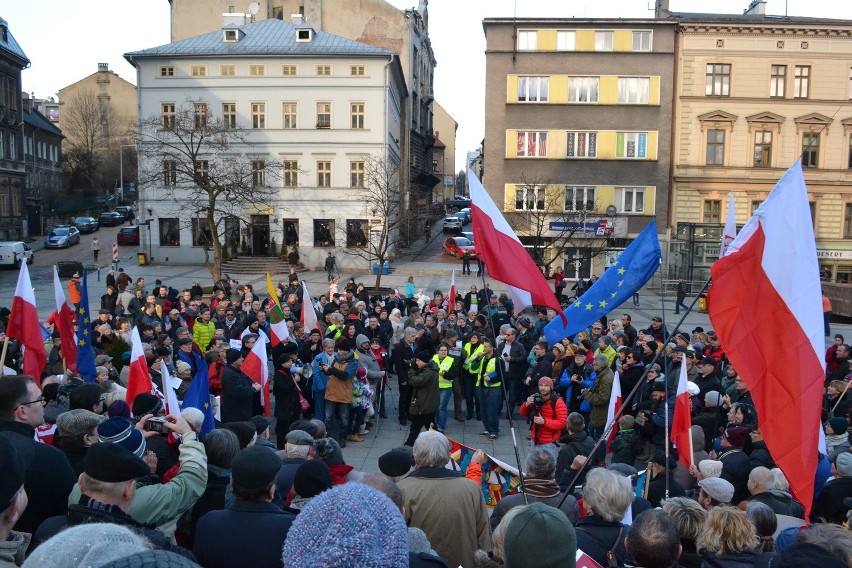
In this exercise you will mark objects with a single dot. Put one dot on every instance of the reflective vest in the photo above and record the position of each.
(443, 368)
(334, 330)
(488, 375)
(468, 356)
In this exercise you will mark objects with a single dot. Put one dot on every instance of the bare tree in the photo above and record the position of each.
(90, 126)
(204, 167)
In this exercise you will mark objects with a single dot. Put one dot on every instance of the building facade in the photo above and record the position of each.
(43, 163)
(13, 219)
(444, 153)
(577, 135)
(319, 106)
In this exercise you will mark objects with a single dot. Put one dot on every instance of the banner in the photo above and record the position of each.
(498, 479)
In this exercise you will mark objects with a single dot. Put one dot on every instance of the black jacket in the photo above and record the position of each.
(237, 395)
(517, 359)
(596, 537)
(735, 468)
(219, 533)
(49, 477)
(542, 368)
(573, 445)
(286, 395)
(711, 421)
(829, 505)
(760, 456)
(780, 502)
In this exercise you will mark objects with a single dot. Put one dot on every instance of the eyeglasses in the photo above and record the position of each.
(41, 400)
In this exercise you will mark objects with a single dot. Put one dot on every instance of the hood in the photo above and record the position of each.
(349, 357)
(360, 339)
(697, 436)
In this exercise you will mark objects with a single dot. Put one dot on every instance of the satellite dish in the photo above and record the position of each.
(254, 8)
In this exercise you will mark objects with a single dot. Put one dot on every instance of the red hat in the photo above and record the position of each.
(736, 435)
(546, 381)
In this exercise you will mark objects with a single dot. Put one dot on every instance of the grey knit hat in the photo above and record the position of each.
(90, 544)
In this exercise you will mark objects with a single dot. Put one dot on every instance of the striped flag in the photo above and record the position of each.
(65, 324)
(255, 366)
(277, 323)
(682, 421)
(612, 409)
(24, 326)
(139, 379)
(309, 314)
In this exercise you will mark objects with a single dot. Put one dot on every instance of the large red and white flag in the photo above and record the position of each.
(730, 232)
(309, 314)
(170, 383)
(504, 256)
(451, 301)
(255, 366)
(769, 280)
(24, 326)
(65, 324)
(612, 409)
(682, 421)
(139, 378)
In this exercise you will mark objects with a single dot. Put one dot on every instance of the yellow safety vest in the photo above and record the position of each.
(335, 330)
(443, 368)
(489, 367)
(468, 356)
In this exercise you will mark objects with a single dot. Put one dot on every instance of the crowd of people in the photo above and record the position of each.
(89, 478)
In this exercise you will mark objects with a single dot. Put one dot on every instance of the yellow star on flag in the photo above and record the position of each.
(85, 332)
(85, 320)
(602, 303)
(82, 343)
(620, 282)
(206, 404)
(613, 295)
(622, 270)
(578, 304)
(81, 311)
(589, 306)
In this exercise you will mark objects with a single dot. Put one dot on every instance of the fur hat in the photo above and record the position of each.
(543, 529)
(710, 468)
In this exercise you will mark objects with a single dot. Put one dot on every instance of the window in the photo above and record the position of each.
(631, 145)
(169, 173)
(323, 115)
(533, 89)
(167, 71)
(718, 80)
(812, 208)
(357, 70)
(634, 90)
(227, 70)
(258, 115)
(200, 115)
(232, 231)
(603, 41)
(712, 211)
(229, 115)
(632, 199)
(169, 232)
(289, 70)
(324, 70)
(801, 81)
(582, 144)
(715, 147)
(202, 170)
(850, 151)
(532, 144)
(323, 232)
(762, 149)
(231, 35)
(579, 198)
(527, 40)
(290, 111)
(324, 173)
(578, 262)
(641, 41)
(356, 174)
(168, 114)
(529, 198)
(198, 70)
(291, 173)
(356, 115)
(356, 232)
(583, 89)
(754, 205)
(810, 150)
(258, 173)
(291, 232)
(778, 81)
(566, 41)
(201, 236)
(847, 221)
(257, 70)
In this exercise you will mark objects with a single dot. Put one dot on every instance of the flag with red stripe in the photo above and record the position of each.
(612, 409)
(24, 326)
(255, 367)
(139, 378)
(309, 314)
(277, 324)
(682, 421)
(65, 324)
(451, 301)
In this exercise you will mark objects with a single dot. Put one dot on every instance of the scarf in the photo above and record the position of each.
(837, 439)
(541, 488)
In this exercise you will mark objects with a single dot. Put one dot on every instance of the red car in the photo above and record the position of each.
(457, 246)
(128, 236)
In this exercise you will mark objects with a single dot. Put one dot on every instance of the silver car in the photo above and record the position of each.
(452, 224)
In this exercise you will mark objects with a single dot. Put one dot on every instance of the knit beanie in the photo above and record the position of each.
(710, 468)
(328, 450)
(626, 422)
(843, 463)
(152, 558)
(348, 525)
(312, 478)
(90, 544)
(232, 355)
(606, 339)
(118, 430)
(838, 424)
(119, 408)
(545, 530)
(546, 381)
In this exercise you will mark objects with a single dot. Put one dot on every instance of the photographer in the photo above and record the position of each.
(423, 378)
(548, 416)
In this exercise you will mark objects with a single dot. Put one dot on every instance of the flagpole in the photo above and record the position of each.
(3, 354)
(666, 375)
(833, 408)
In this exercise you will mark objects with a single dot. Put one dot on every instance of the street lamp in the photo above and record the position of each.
(121, 165)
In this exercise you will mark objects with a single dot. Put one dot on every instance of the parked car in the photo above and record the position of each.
(62, 236)
(126, 211)
(457, 246)
(457, 203)
(469, 236)
(464, 216)
(452, 224)
(110, 219)
(128, 235)
(12, 253)
(86, 224)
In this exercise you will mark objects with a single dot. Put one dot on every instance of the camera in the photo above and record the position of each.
(537, 400)
(156, 424)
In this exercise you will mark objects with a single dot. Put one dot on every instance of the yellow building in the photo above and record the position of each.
(444, 154)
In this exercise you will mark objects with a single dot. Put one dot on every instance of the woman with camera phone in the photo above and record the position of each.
(547, 415)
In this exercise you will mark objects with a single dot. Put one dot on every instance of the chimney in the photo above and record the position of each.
(103, 67)
(235, 18)
(661, 9)
(297, 19)
(25, 102)
(756, 8)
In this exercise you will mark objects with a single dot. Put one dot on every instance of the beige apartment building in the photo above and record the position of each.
(444, 154)
(755, 93)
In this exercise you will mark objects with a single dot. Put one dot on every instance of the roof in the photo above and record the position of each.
(37, 120)
(266, 37)
(438, 144)
(753, 18)
(10, 47)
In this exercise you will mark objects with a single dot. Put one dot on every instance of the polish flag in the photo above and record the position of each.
(170, 383)
(682, 421)
(255, 366)
(612, 410)
(24, 326)
(139, 379)
(277, 323)
(309, 314)
(451, 301)
(65, 324)
(505, 257)
(730, 232)
(769, 280)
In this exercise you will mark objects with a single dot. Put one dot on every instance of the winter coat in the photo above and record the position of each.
(598, 397)
(781, 502)
(341, 378)
(573, 445)
(736, 560)
(538, 491)
(735, 468)
(829, 505)
(625, 447)
(543, 367)
(286, 395)
(237, 395)
(760, 456)
(517, 359)
(555, 415)
(596, 537)
(424, 383)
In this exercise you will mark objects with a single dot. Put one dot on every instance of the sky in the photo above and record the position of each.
(66, 39)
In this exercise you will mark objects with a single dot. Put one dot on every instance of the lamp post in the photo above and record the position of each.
(121, 165)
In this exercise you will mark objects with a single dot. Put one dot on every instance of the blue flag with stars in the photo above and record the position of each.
(198, 396)
(85, 351)
(634, 267)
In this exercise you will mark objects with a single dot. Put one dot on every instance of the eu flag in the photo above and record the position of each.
(634, 267)
(85, 351)
(198, 396)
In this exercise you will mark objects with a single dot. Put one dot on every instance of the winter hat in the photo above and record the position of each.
(113, 463)
(146, 403)
(396, 462)
(843, 463)
(545, 530)
(652, 345)
(626, 422)
(15, 463)
(712, 399)
(119, 430)
(245, 431)
(255, 468)
(152, 558)
(342, 344)
(546, 381)
(424, 356)
(328, 450)
(710, 468)
(349, 525)
(312, 478)
(361, 339)
(232, 355)
(606, 339)
(559, 347)
(89, 544)
(299, 438)
(119, 408)
(838, 424)
(654, 367)
(719, 489)
(261, 423)
(806, 554)
(182, 367)
(736, 436)
(77, 422)
(361, 372)
(692, 388)
(184, 340)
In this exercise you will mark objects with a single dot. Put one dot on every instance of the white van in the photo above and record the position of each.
(12, 252)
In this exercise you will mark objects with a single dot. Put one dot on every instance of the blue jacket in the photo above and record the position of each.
(320, 379)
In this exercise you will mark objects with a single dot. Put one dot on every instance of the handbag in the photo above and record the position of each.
(303, 402)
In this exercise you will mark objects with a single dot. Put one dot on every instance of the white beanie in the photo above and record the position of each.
(710, 468)
(90, 545)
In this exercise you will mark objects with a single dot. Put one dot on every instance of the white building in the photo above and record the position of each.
(319, 104)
